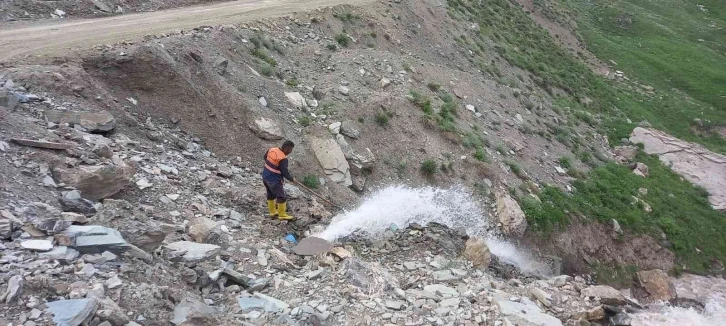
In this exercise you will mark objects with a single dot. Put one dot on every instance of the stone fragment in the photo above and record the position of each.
(655, 285)
(192, 251)
(524, 312)
(37, 245)
(384, 82)
(72, 312)
(193, 312)
(14, 290)
(261, 301)
(77, 205)
(510, 215)
(204, 230)
(332, 160)
(478, 253)
(95, 239)
(350, 129)
(61, 253)
(95, 122)
(607, 294)
(40, 144)
(267, 129)
(97, 181)
(297, 100)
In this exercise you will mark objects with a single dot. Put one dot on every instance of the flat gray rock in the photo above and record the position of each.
(96, 239)
(61, 253)
(37, 245)
(191, 307)
(312, 246)
(72, 312)
(194, 251)
(525, 312)
(261, 301)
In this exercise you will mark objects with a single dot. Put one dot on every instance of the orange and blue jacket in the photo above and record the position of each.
(275, 166)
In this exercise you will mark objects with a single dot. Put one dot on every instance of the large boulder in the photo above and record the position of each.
(332, 160)
(362, 161)
(267, 129)
(204, 230)
(478, 253)
(625, 154)
(655, 285)
(606, 294)
(97, 181)
(91, 121)
(510, 215)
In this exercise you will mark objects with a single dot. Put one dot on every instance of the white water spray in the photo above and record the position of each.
(402, 205)
(714, 314)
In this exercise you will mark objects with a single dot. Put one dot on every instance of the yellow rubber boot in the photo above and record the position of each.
(272, 207)
(282, 209)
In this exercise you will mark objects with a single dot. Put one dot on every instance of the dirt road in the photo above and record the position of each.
(64, 38)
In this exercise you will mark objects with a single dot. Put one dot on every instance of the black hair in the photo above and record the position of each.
(288, 144)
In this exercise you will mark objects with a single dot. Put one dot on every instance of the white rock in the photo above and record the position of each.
(297, 100)
(344, 90)
(37, 245)
(262, 101)
(471, 108)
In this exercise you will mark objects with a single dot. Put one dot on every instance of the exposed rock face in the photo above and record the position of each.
(97, 181)
(267, 129)
(332, 160)
(695, 163)
(91, 121)
(655, 285)
(510, 215)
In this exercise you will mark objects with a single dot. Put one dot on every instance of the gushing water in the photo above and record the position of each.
(714, 314)
(403, 205)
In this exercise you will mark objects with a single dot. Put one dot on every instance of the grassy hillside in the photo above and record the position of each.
(656, 45)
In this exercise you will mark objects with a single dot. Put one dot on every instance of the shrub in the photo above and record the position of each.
(481, 155)
(346, 17)
(332, 46)
(434, 87)
(406, 66)
(311, 181)
(304, 121)
(517, 170)
(423, 102)
(429, 168)
(382, 119)
(262, 55)
(292, 82)
(267, 70)
(342, 39)
(565, 162)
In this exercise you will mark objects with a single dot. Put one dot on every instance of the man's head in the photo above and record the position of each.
(287, 147)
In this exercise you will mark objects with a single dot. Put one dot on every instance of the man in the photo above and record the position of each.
(273, 176)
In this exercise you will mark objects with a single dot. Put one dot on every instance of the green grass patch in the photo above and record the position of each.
(429, 168)
(381, 119)
(679, 209)
(342, 39)
(311, 181)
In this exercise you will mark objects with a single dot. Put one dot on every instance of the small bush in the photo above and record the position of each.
(332, 46)
(361, 120)
(342, 39)
(481, 155)
(267, 70)
(382, 119)
(262, 55)
(311, 181)
(407, 66)
(434, 87)
(346, 17)
(517, 170)
(429, 168)
(292, 82)
(423, 102)
(565, 162)
(305, 121)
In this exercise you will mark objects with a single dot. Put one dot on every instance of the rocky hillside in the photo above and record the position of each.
(130, 189)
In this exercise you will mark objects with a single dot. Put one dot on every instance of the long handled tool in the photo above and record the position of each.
(325, 200)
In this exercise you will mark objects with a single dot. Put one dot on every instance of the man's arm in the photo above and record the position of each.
(285, 172)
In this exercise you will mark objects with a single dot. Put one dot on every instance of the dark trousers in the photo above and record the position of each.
(275, 190)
